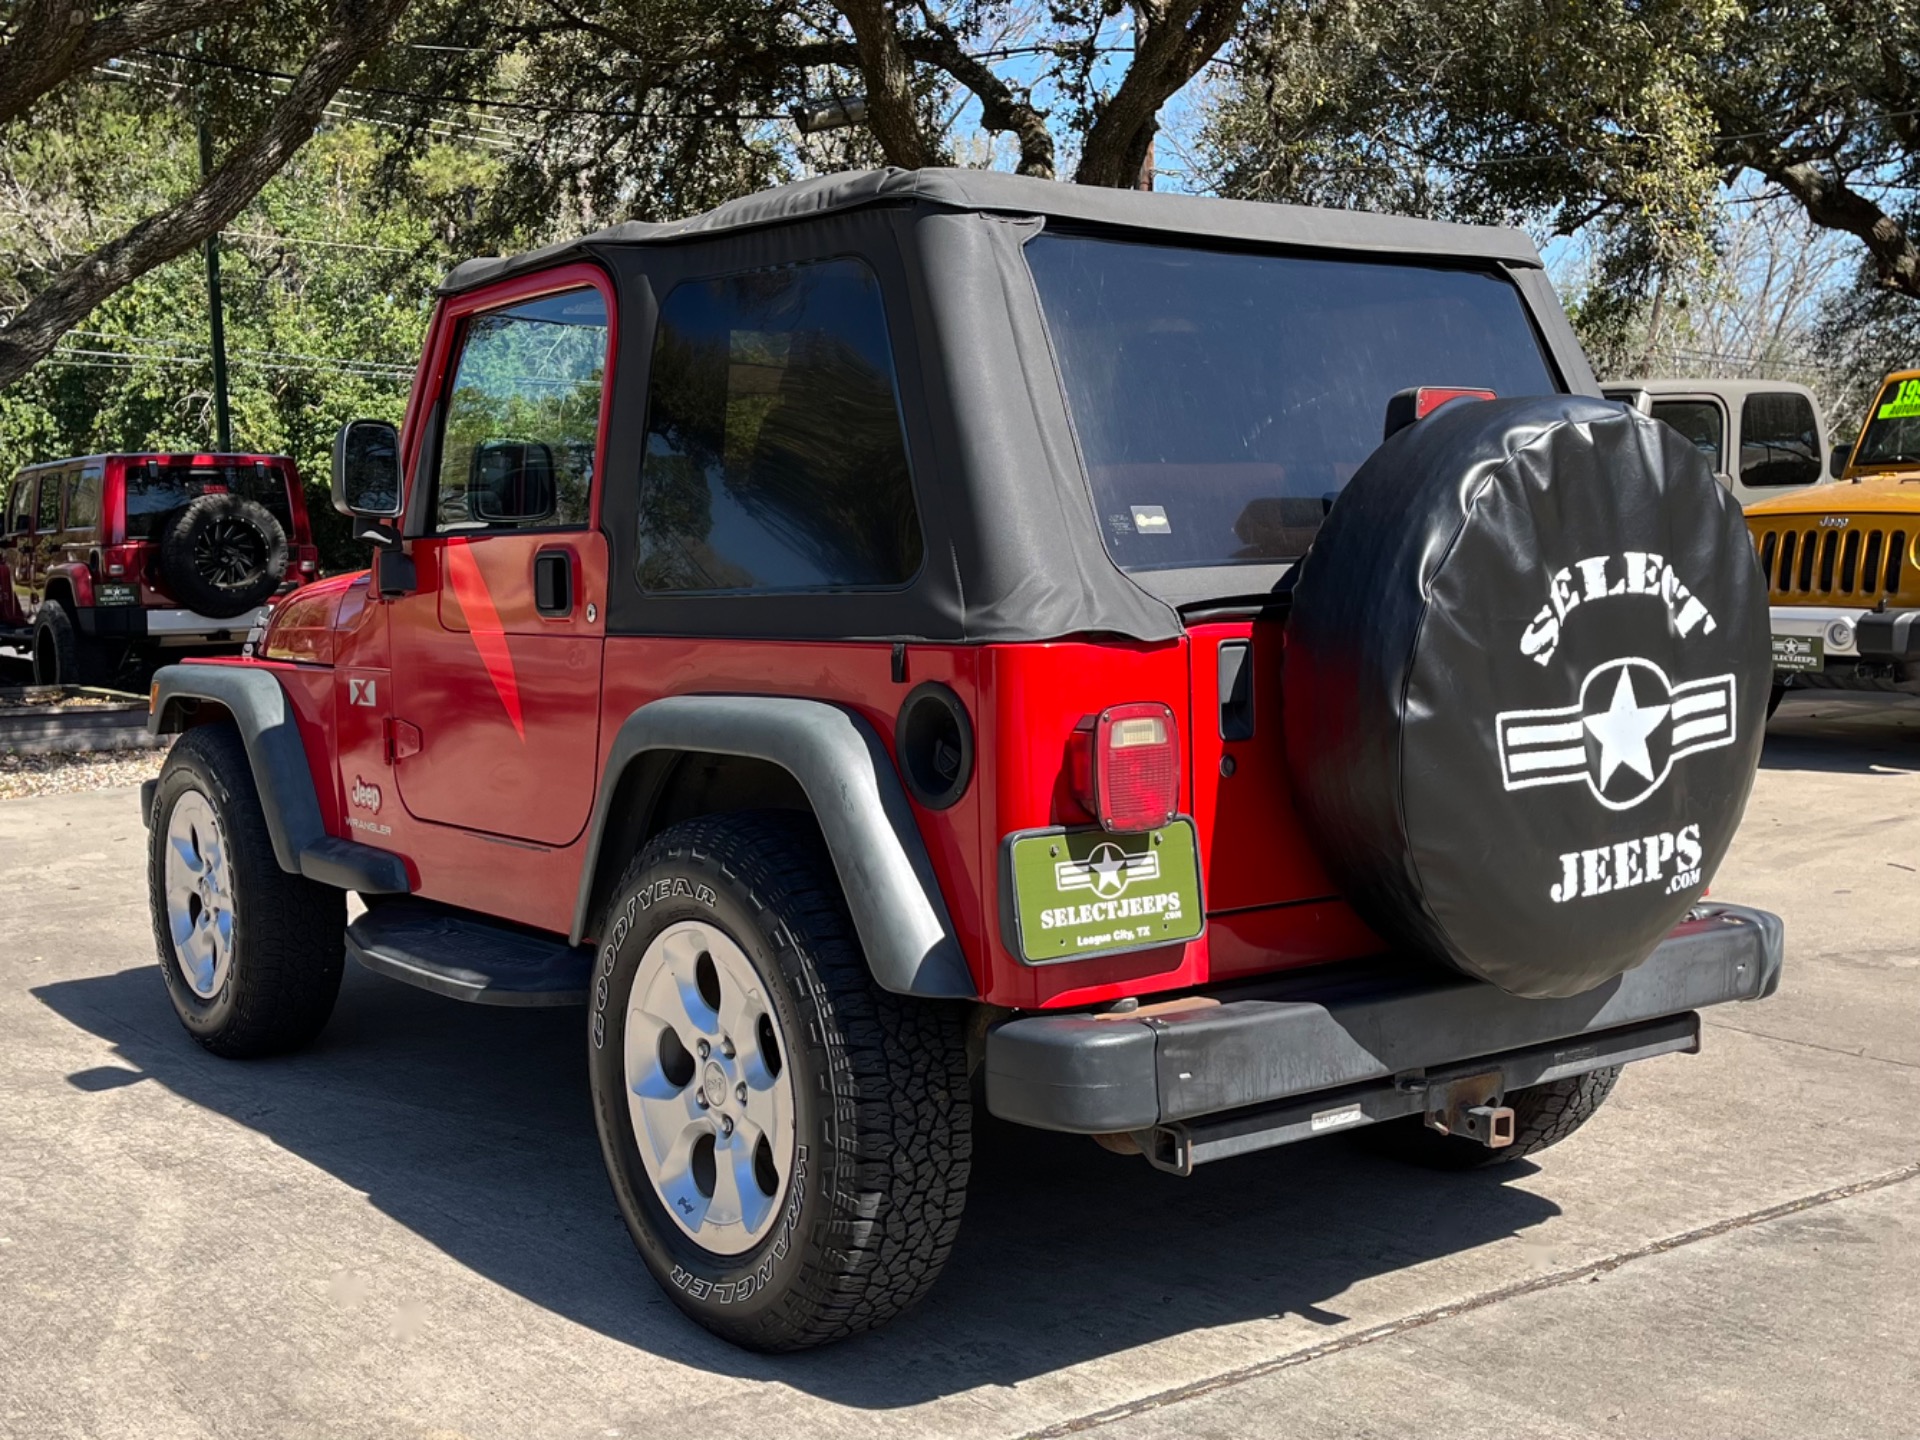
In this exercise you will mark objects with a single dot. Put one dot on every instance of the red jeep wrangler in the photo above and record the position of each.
(916, 628)
(107, 561)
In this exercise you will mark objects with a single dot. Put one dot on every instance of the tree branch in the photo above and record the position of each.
(1001, 110)
(1833, 204)
(51, 41)
(358, 28)
(1174, 39)
(892, 115)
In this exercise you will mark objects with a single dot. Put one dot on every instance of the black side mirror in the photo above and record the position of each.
(366, 470)
(1837, 460)
(510, 482)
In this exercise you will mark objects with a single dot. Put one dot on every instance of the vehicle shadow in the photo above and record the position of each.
(471, 1127)
(1841, 734)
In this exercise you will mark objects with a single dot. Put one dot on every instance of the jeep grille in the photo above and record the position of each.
(1816, 563)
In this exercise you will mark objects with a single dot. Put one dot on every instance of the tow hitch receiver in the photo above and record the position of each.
(1470, 1108)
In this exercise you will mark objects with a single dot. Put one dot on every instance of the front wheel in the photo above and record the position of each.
(252, 955)
(789, 1144)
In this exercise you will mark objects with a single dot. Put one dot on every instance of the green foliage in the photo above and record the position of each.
(328, 281)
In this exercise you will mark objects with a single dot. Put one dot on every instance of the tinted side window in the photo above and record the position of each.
(1779, 441)
(20, 504)
(83, 500)
(775, 458)
(1700, 422)
(49, 516)
(523, 416)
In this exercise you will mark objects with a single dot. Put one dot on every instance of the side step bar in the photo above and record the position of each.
(467, 957)
(1178, 1148)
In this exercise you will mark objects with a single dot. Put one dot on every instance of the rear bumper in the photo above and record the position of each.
(135, 622)
(1361, 1034)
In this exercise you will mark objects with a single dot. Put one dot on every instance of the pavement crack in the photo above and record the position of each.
(1179, 1394)
(1813, 1045)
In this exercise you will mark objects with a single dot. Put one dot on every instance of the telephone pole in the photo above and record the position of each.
(216, 320)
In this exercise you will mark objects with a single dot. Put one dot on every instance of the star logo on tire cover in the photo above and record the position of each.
(1623, 736)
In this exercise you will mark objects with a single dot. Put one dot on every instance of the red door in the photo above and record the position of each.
(497, 653)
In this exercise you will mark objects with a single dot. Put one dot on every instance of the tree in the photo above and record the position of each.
(1631, 113)
(656, 108)
(52, 46)
(329, 285)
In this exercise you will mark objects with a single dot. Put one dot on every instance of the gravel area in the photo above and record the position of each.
(66, 697)
(22, 776)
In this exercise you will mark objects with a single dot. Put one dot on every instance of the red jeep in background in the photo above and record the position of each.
(1207, 674)
(108, 560)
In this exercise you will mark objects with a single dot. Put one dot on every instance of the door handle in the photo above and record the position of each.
(553, 583)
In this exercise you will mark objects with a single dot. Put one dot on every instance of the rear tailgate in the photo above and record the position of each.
(1270, 904)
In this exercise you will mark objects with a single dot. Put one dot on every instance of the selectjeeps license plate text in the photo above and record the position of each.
(1083, 892)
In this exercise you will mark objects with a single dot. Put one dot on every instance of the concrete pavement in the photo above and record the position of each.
(406, 1231)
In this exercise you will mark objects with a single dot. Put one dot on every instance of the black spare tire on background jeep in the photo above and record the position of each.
(1526, 680)
(223, 555)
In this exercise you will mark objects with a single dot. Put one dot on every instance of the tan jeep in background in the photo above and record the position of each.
(1843, 561)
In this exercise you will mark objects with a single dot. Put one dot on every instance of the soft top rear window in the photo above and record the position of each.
(1222, 399)
(156, 489)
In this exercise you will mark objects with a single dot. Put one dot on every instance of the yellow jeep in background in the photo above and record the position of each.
(1843, 561)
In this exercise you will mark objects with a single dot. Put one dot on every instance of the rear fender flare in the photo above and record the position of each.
(885, 873)
(77, 579)
(288, 800)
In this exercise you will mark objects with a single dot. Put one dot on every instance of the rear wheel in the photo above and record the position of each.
(1773, 700)
(789, 1144)
(1543, 1115)
(62, 655)
(252, 955)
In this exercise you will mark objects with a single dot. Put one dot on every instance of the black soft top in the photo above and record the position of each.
(1013, 545)
(994, 192)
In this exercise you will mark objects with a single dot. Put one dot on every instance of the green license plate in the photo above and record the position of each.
(1085, 892)
(1799, 652)
(114, 595)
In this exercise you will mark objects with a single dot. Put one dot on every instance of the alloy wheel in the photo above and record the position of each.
(199, 895)
(709, 1090)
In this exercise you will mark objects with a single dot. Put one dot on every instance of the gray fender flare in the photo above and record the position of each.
(888, 878)
(288, 799)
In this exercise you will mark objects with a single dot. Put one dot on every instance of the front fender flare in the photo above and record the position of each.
(858, 800)
(288, 800)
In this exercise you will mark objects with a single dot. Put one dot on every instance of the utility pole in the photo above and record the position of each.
(216, 320)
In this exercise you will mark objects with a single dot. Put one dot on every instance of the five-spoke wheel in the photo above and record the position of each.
(707, 1087)
(199, 890)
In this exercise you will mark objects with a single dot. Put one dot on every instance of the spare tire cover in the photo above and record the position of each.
(1525, 678)
(222, 555)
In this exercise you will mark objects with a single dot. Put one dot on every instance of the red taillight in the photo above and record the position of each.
(120, 561)
(1407, 406)
(1126, 766)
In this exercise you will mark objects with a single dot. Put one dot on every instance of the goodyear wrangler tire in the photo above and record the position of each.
(1526, 679)
(789, 1144)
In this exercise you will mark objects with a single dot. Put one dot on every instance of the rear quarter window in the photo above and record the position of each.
(1223, 399)
(775, 457)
